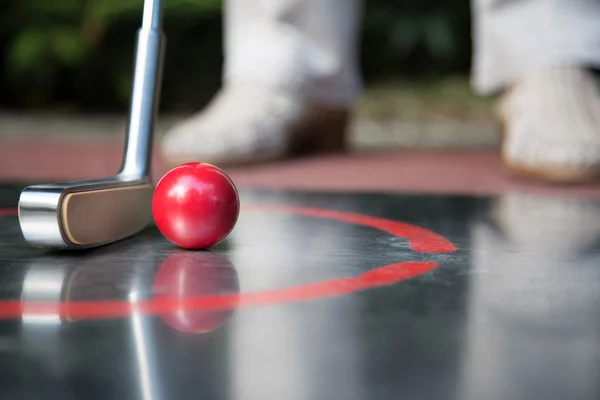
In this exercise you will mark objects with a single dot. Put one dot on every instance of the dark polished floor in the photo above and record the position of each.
(316, 296)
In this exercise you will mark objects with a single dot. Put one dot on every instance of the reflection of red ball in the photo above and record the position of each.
(195, 205)
(187, 277)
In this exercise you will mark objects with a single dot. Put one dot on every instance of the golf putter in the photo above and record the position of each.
(86, 214)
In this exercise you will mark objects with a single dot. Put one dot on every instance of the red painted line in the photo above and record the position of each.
(420, 240)
(8, 212)
(382, 276)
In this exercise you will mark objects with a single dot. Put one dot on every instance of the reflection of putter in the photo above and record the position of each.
(96, 212)
(50, 283)
(55, 287)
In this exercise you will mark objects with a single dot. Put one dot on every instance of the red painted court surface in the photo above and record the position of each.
(421, 275)
(472, 172)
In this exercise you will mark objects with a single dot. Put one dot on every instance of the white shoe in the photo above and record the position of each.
(551, 123)
(246, 124)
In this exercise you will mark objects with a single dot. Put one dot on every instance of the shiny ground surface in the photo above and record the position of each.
(316, 296)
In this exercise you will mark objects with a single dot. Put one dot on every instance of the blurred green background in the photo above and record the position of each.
(77, 55)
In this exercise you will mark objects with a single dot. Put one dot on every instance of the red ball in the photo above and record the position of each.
(195, 205)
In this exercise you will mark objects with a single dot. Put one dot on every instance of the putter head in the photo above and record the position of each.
(84, 214)
(94, 213)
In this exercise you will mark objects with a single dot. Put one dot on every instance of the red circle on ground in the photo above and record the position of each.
(420, 240)
(8, 212)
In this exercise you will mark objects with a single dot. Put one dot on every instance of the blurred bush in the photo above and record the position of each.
(416, 38)
(78, 54)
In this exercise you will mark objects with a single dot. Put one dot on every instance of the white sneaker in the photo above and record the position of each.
(552, 126)
(246, 124)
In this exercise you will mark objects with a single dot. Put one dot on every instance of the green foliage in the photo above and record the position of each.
(80, 52)
(416, 36)
(52, 49)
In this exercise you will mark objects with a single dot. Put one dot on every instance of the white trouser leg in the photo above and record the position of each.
(291, 77)
(300, 45)
(513, 38)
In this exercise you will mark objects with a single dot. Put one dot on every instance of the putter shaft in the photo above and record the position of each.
(145, 93)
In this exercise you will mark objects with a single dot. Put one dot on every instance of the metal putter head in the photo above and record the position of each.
(92, 213)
